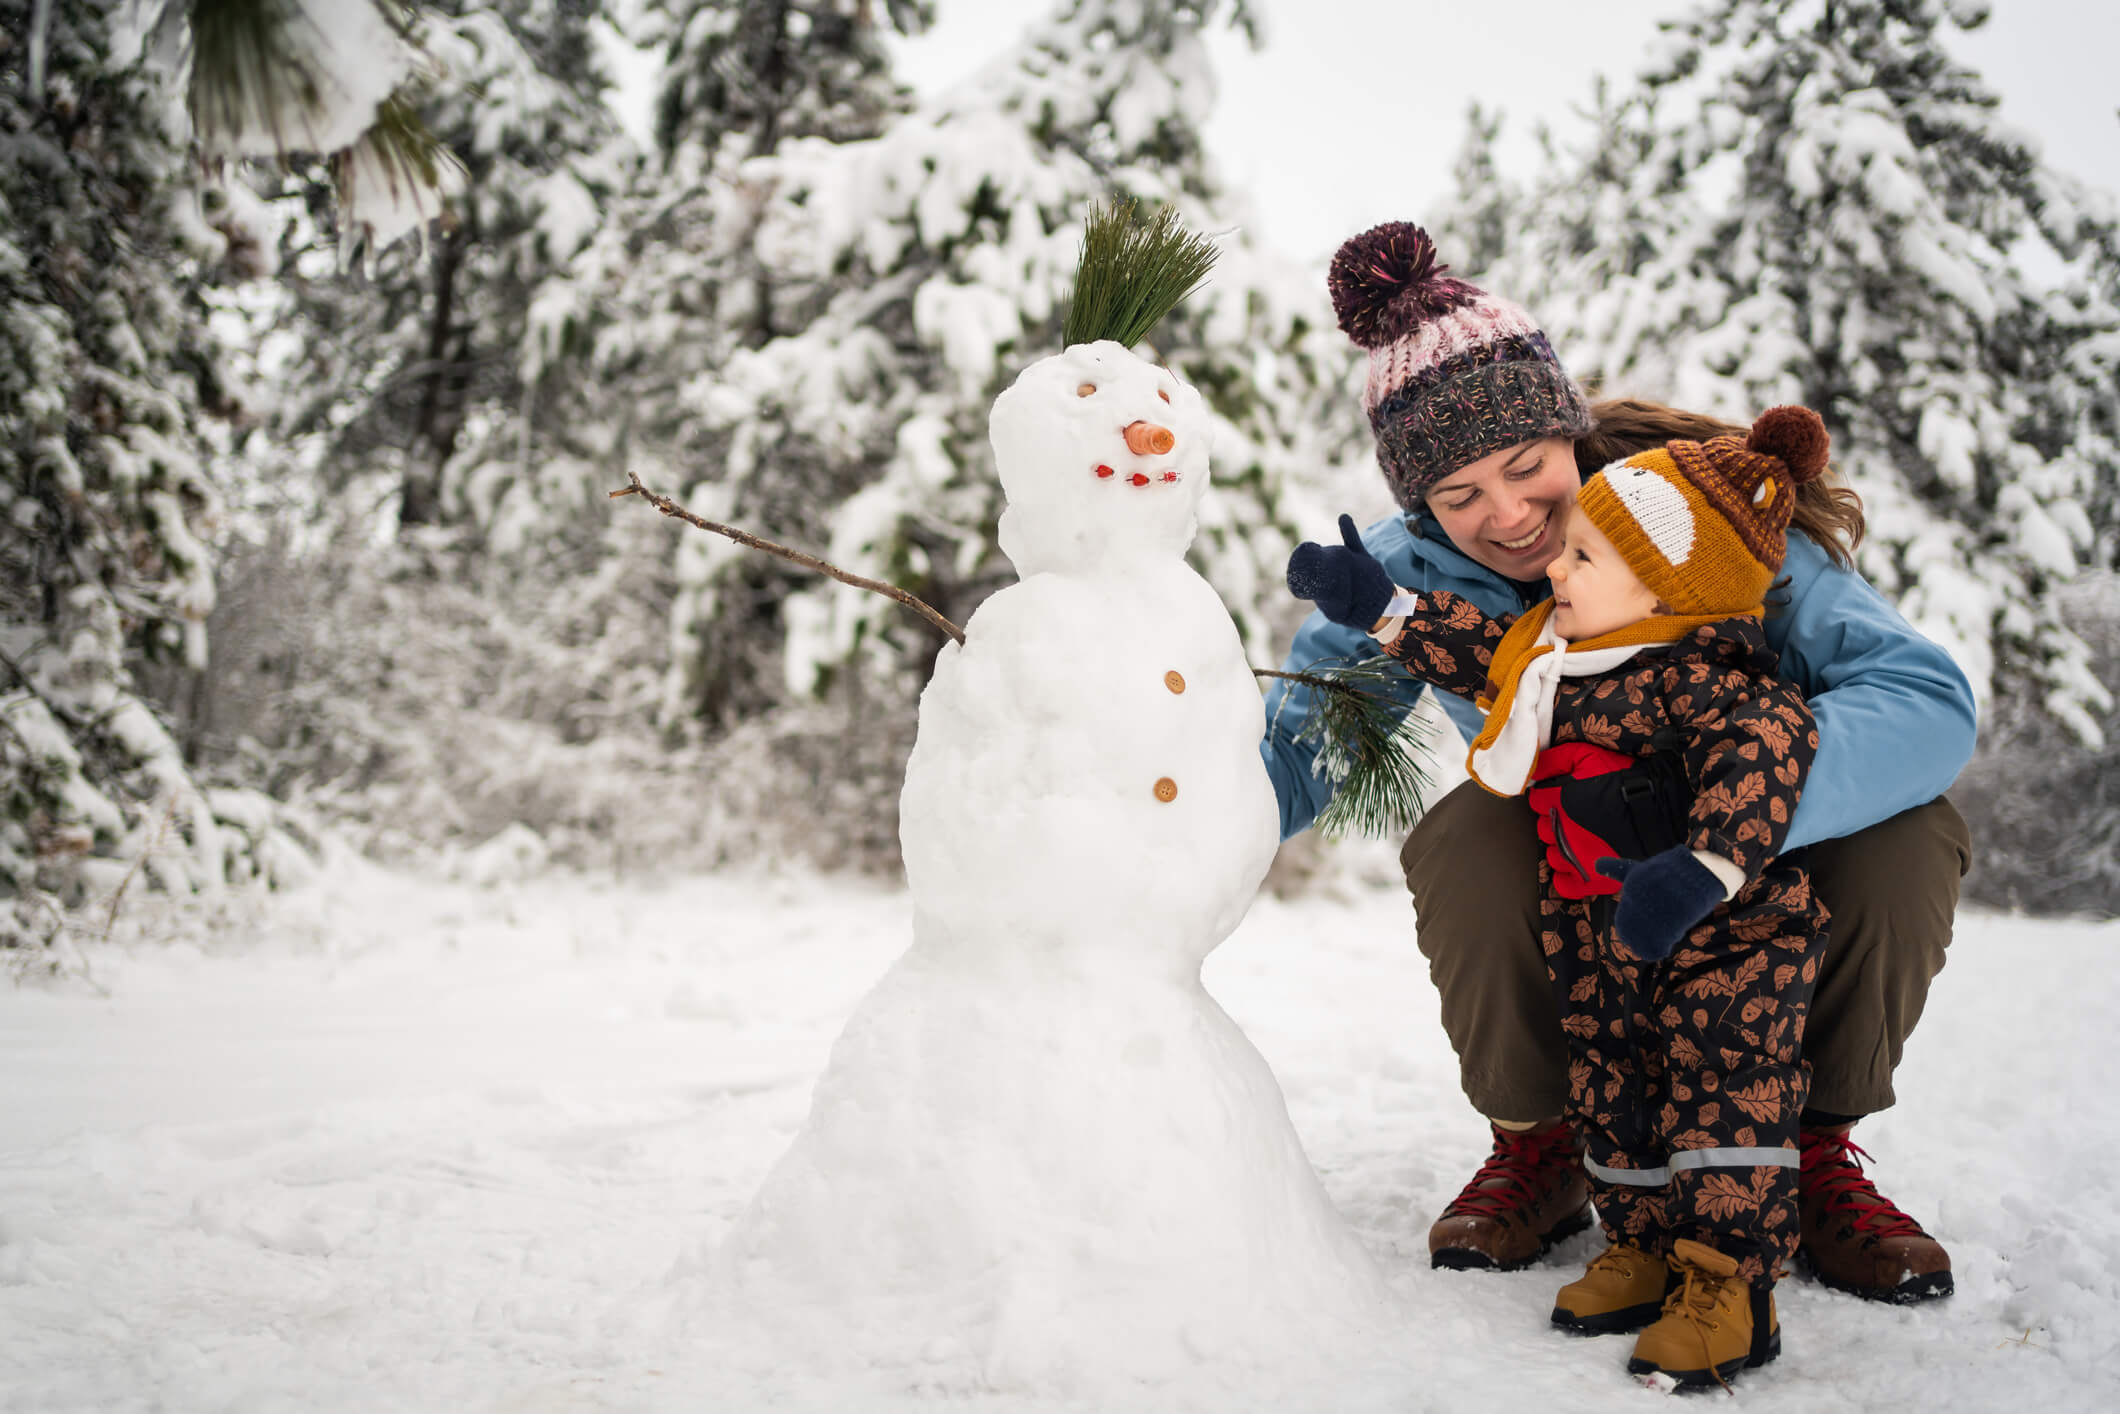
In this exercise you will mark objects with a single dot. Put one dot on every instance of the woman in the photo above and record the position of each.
(1482, 438)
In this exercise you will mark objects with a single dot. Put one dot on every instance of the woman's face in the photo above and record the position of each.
(1505, 509)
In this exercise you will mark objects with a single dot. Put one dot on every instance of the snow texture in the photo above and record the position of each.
(397, 1144)
(1041, 1149)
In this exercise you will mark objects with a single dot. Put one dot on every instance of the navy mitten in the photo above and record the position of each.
(1660, 899)
(1345, 581)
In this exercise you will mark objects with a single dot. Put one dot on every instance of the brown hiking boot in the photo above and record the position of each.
(1622, 1290)
(1527, 1196)
(1714, 1323)
(1854, 1238)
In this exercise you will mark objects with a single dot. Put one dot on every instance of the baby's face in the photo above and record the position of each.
(1594, 590)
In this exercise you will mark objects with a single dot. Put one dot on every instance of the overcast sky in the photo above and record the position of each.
(1352, 111)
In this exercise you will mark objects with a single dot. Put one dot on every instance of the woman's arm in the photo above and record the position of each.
(1896, 719)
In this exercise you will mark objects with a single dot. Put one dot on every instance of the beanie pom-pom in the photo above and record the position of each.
(1385, 283)
(1795, 436)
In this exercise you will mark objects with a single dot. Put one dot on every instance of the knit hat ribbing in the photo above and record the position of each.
(1455, 373)
(1705, 524)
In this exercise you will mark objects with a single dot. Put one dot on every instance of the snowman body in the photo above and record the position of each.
(1040, 1149)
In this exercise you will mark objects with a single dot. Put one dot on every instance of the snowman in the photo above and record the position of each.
(1041, 1152)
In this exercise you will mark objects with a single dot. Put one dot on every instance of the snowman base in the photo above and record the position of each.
(1045, 1180)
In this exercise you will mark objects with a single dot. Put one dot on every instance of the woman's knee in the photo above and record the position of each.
(1476, 850)
(1896, 883)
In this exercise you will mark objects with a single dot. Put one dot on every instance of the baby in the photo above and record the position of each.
(1682, 950)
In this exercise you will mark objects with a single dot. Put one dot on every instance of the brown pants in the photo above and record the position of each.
(1472, 865)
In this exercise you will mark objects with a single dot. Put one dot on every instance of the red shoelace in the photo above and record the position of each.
(1832, 1172)
(1520, 1168)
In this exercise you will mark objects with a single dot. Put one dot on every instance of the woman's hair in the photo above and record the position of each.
(1831, 514)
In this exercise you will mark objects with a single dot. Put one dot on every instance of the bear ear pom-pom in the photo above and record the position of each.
(1386, 283)
(1795, 436)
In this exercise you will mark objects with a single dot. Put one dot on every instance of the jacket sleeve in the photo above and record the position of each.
(1302, 790)
(1448, 641)
(1896, 717)
(1749, 743)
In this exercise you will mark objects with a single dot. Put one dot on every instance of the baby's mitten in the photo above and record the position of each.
(1660, 899)
(1345, 581)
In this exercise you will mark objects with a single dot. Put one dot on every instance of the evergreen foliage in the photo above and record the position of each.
(1132, 273)
(1373, 752)
(455, 376)
(742, 76)
(1815, 204)
(108, 377)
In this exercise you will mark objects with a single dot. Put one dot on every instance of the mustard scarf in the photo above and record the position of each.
(1525, 677)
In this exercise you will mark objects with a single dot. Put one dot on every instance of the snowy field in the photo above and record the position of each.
(397, 1144)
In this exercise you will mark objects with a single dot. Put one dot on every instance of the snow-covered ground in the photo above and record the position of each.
(390, 1143)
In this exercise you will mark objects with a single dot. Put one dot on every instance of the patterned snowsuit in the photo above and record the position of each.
(1685, 1077)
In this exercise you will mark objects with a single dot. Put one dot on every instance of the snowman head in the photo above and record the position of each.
(1103, 456)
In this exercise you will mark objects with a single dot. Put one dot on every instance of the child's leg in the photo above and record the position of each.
(1731, 1007)
(1608, 1089)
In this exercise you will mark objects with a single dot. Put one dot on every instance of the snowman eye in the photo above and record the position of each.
(1085, 390)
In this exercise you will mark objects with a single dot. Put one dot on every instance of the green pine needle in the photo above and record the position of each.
(1133, 273)
(406, 148)
(243, 67)
(1367, 748)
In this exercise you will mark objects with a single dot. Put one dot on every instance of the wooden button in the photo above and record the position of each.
(1166, 790)
(1174, 680)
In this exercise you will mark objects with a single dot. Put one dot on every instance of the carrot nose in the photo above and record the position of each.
(1145, 439)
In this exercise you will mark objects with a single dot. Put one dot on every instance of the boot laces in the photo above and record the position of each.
(1832, 1170)
(1693, 1299)
(1515, 1174)
(1617, 1258)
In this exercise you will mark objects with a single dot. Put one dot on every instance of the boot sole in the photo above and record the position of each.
(1624, 1321)
(1931, 1286)
(1721, 1374)
(1466, 1259)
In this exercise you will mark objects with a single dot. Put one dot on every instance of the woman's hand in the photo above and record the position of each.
(1345, 581)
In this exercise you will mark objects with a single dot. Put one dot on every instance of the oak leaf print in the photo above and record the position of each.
(1721, 1197)
(1761, 1099)
(1773, 733)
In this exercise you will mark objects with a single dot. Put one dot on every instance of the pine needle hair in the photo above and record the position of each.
(1132, 273)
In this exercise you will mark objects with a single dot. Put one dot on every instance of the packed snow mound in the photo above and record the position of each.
(1041, 1149)
(1029, 1176)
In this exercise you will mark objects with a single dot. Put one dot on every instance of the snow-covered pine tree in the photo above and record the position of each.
(497, 658)
(743, 77)
(1827, 210)
(910, 276)
(106, 373)
(451, 370)
(113, 454)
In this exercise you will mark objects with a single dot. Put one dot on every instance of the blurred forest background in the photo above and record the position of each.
(326, 326)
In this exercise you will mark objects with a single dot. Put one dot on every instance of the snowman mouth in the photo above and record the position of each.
(1137, 478)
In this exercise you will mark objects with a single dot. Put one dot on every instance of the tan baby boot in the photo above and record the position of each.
(1713, 1325)
(1622, 1290)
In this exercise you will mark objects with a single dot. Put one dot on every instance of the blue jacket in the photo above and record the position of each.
(1895, 715)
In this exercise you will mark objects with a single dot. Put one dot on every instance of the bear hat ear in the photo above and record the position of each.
(1794, 436)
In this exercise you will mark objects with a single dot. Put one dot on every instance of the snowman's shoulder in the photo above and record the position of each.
(1022, 606)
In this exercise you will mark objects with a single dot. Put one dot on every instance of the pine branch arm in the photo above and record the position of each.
(810, 562)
